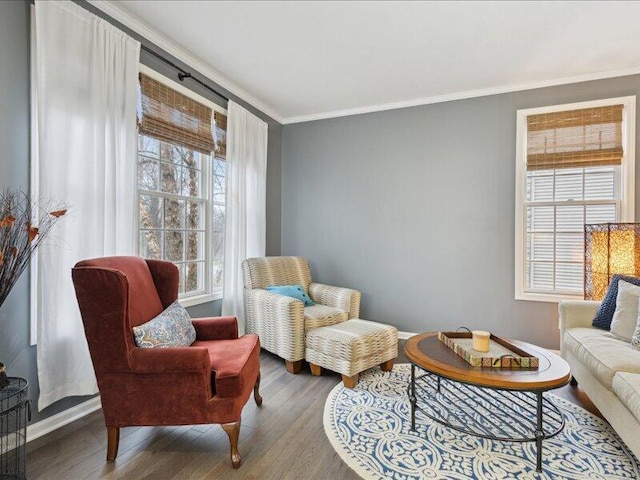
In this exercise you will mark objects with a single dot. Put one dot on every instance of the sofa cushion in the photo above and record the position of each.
(322, 316)
(601, 353)
(234, 363)
(627, 387)
(608, 306)
(625, 318)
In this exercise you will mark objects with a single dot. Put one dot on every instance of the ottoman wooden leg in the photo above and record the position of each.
(388, 365)
(315, 369)
(350, 382)
(293, 367)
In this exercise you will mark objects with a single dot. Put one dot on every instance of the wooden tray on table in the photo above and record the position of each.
(501, 354)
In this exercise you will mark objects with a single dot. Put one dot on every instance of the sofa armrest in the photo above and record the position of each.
(345, 299)
(576, 313)
(216, 328)
(170, 360)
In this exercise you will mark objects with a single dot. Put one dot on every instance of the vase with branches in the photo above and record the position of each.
(24, 225)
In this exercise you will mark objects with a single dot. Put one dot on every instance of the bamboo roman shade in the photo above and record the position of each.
(173, 117)
(575, 138)
(221, 135)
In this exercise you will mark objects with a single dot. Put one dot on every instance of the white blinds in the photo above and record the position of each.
(559, 204)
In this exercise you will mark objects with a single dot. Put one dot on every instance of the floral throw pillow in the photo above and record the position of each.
(172, 328)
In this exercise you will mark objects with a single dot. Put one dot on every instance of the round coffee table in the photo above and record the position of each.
(495, 403)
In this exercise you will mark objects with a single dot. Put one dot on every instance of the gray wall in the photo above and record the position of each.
(415, 207)
(15, 352)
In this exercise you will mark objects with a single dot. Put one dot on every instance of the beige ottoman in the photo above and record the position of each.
(351, 347)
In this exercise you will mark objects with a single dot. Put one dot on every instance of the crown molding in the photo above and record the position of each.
(463, 95)
(109, 7)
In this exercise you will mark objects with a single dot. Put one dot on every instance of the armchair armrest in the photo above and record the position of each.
(216, 328)
(576, 313)
(170, 360)
(278, 320)
(345, 299)
(269, 302)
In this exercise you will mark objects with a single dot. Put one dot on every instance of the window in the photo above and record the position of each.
(575, 166)
(181, 185)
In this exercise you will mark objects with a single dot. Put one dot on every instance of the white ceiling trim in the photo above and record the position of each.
(108, 7)
(190, 59)
(463, 95)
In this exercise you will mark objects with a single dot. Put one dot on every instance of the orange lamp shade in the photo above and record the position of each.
(609, 249)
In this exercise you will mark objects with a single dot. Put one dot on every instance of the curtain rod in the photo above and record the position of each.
(182, 74)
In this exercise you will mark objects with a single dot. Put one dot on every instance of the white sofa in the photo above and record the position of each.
(607, 369)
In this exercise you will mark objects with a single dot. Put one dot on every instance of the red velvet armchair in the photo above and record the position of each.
(208, 382)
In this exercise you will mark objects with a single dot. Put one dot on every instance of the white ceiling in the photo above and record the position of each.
(307, 60)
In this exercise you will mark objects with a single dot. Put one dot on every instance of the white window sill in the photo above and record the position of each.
(199, 299)
(546, 297)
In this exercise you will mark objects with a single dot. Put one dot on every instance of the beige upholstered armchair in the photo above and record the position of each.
(282, 322)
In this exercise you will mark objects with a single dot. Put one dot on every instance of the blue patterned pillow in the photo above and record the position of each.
(293, 291)
(608, 306)
(172, 328)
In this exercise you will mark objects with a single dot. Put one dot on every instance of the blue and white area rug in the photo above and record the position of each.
(369, 427)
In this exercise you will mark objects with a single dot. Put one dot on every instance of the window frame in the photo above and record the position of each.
(626, 201)
(210, 293)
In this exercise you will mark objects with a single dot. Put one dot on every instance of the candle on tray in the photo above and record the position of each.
(480, 340)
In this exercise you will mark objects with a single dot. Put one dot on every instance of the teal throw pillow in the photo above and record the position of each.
(293, 291)
(172, 328)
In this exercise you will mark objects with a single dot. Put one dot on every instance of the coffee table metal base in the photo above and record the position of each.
(496, 414)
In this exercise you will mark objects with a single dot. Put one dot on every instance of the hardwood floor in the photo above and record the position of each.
(284, 439)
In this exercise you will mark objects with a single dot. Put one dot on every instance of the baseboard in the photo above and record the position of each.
(49, 424)
(405, 335)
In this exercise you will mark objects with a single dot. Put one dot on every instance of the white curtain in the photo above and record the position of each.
(86, 80)
(245, 228)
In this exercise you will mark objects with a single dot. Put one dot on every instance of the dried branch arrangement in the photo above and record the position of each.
(23, 227)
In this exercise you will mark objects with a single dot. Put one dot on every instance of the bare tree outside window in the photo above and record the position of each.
(174, 197)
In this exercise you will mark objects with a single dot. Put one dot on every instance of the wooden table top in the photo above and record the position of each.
(428, 352)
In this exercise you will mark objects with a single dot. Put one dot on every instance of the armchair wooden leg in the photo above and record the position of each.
(293, 367)
(388, 365)
(256, 392)
(315, 369)
(113, 440)
(233, 432)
